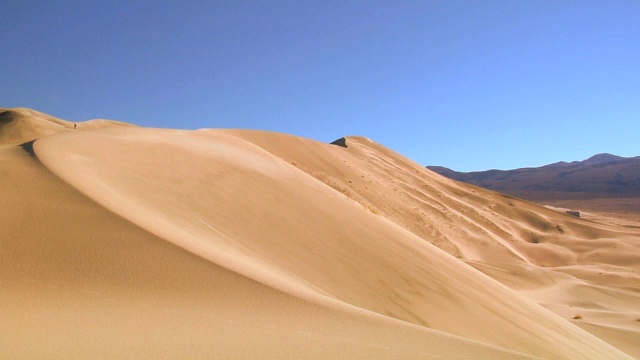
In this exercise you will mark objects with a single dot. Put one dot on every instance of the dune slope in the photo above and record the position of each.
(133, 242)
(250, 212)
(574, 267)
(79, 281)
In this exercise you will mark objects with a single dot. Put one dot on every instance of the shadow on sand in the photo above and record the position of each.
(28, 147)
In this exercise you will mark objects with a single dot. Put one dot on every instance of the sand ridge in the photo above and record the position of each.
(257, 231)
(516, 242)
(20, 125)
(70, 291)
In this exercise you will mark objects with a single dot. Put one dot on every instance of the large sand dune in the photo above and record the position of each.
(120, 241)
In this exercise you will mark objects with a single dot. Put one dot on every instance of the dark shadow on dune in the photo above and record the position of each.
(7, 116)
(341, 142)
(28, 147)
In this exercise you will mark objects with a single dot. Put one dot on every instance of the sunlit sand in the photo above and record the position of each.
(126, 242)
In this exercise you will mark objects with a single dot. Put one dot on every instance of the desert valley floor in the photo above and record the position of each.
(118, 241)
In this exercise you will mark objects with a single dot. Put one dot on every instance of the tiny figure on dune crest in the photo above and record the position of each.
(74, 126)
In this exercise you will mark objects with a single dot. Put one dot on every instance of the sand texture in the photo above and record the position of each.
(126, 242)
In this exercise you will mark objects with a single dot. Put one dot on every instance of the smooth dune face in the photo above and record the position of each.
(82, 282)
(571, 266)
(133, 242)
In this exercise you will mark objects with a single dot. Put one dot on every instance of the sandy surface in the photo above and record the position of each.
(129, 242)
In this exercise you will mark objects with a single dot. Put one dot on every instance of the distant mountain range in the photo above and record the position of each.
(600, 176)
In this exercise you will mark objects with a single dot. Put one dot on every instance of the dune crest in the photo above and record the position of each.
(288, 247)
(21, 125)
(550, 257)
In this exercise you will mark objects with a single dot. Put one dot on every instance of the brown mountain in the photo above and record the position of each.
(601, 179)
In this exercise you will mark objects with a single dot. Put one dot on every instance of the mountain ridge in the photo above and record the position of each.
(600, 176)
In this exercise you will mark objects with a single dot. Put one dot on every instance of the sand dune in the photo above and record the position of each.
(131, 242)
(523, 245)
(21, 125)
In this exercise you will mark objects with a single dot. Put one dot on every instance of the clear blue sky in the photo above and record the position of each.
(470, 85)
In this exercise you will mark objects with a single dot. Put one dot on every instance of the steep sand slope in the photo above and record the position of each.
(78, 281)
(248, 211)
(571, 266)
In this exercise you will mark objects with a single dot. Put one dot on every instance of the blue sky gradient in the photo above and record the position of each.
(470, 85)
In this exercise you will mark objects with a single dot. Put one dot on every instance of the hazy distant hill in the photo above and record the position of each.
(599, 177)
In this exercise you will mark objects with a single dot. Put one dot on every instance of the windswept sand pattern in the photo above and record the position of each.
(130, 242)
